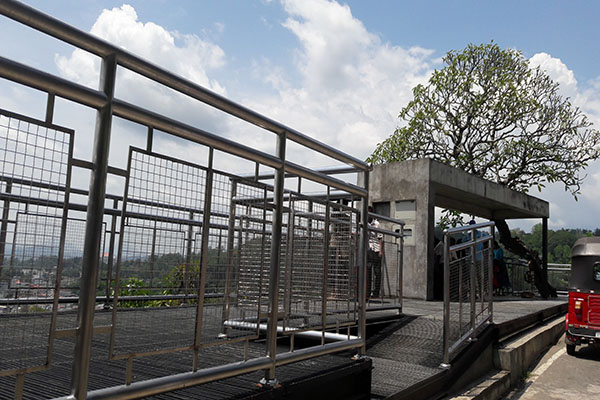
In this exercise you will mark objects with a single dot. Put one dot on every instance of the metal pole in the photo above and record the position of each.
(153, 256)
(263, 245)
(230, 257)
(274, 260)
(50, 108)
(93, 229)
(362, 267)
(149, 138)
(491, 278)
(187, 267)
(446, 334)
(111, 252)
(400, 281)
(324, 284)
(20, 384)
(203, 254)
(473, 276)
(4, 226)
(289, 261)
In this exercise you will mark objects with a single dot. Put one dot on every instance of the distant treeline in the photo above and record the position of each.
(560, 241)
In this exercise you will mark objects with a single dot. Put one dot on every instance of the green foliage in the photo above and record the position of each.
(450, 219)
(133, 287)
(560, 241)
(489, 113)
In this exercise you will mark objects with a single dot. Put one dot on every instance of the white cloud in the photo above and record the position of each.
(186, 55)
(352, 86)
(558, 71)
(346, 88)
(183, 54)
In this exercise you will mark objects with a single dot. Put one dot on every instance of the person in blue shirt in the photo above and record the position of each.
(501, 280)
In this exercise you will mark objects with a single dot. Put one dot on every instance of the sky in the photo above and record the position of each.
(337, 71)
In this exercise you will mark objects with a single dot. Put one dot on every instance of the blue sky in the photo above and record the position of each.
(339, 72)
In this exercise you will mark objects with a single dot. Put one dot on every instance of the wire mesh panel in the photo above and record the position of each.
(390, 275)
(384, 263)
(342, 270)
(34, 178)
(320, 272)
(559, 276)
(304, 275)
(468, 292)
(161, 218)
(520, 277)
(242, 273)
(38, 231)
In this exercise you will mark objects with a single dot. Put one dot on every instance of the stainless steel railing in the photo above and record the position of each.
(468, 285)
(220, 231)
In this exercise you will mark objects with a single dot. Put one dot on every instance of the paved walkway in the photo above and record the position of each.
(410, 350)
(561, 376)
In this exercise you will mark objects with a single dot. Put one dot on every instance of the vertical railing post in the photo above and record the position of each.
(325, 283)
(230, 256)
(275, 258)
(203, 256)
(93, 229)
(362, 267)
(153, 256)
(491, 275)
(50, 107)
(4, 227)
(399, 279)
(111, 253)
(187, 267)
(446, 332)
(473, 276)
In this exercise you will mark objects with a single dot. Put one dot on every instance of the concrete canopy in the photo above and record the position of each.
(411, 190)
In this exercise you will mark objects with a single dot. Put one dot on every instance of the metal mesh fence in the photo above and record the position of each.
(31, 235)
(304, 277)
(521, 279)
(161, 219)
(384, 282)
(246, 270)
(559, 276)
(468, 292)
(159, 267)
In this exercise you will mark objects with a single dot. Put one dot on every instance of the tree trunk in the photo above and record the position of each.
(516, 246)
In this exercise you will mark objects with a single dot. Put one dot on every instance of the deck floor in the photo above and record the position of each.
(410, 350)
(55, 382)
(404, 353)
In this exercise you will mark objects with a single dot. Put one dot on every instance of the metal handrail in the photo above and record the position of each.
(41, 80)
(54, 27)
(472, 243)
(107, 106)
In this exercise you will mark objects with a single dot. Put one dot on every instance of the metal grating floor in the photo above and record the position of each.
(55, 382)
(410, 350)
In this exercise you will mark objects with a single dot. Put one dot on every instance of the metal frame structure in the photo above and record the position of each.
(468, 285)
(391, 233)
(276, 239)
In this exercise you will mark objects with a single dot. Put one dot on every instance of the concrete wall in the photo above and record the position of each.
(410, 181)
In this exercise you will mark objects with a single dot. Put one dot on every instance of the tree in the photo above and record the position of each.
(489, 113)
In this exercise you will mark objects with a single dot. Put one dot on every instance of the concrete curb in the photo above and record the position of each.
(516, 356)
(491, 387)
(513, 358)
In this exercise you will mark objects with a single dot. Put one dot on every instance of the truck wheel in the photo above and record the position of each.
(571, 349)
